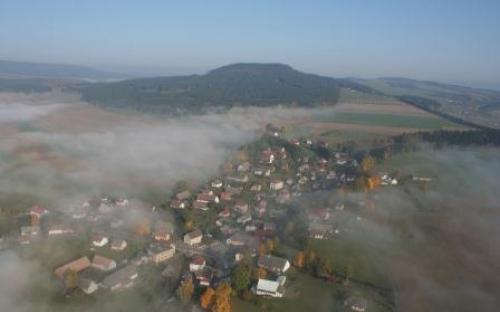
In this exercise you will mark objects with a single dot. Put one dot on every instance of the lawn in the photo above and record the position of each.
(306, 293)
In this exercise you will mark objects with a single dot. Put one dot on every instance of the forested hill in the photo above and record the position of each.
(219, 89)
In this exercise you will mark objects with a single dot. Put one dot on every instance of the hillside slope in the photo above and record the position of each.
(219, 89)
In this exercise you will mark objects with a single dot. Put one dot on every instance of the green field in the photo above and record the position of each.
(306, 294)
(387, 120)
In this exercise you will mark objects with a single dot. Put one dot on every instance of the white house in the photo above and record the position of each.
(198, 263)
(193, 238)
(103, 263)
(270, 288)
(118, 244)
(88, 286)
(100, 240)
(276, 184)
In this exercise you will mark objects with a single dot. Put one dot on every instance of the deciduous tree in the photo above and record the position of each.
(300, 260)
(222, 301)
(185, 291)
(207, 298)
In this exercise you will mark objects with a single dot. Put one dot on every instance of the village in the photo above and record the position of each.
(220, 235)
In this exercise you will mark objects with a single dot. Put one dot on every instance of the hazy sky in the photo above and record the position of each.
(453, 40)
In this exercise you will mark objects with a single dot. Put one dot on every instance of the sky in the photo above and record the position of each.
(449, 40)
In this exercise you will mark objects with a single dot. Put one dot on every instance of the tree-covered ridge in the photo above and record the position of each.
(222, 88)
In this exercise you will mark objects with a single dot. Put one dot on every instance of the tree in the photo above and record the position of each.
(310, 257)
(240, 277)
(322, 267)
(143, 227)
(70, 279)
(373, 182)
(300, 260)
(185, 291)
(207, 298)
(222, 302)
(271, 244)
(367, 163)
(259, 273)
(262, 249)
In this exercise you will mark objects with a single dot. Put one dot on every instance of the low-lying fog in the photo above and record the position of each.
(54, 145)
(440, 247)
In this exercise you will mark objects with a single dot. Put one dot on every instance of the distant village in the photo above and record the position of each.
(224, 232)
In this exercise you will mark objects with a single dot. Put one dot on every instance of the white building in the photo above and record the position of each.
(270, 288)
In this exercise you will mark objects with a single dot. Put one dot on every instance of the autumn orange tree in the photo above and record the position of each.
(367, 163)
(300, 260)
(207, 298)
(222, 302)
(143, 227)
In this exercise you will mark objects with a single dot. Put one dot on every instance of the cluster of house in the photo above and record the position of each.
(249, 196)
(246, 199)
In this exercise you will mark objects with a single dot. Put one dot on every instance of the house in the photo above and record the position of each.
(262, 172)
(261, 207)
(160, 253)
(207, 197)
(270, 288)
(243, 167)
(321, 214)
(99, 240)
(36, 213)
(320, 231)
(276, 184)
(118, 244)
(200, 205)
(267, 156)
(77, 265)
(121, 279)
(216, 184)
(331, 175)
(242, 178)
(269, 227)
(32, 230)
(178, 204)
(273, 264)
(295, 142)
(224, 213)
(79, 213)
(204, 276)
(225, 196)
(239, 239)
(250, 227)
(256, 187)
(197, 263)
(193, 238)
(88, 286)
(60, 229)
(283, 196)
(241, 207)
(356, 304)
(183, 195)
(103, 263)
(162, 231)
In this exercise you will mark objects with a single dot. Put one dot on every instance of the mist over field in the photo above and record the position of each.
(54, 145)
(437, 248)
